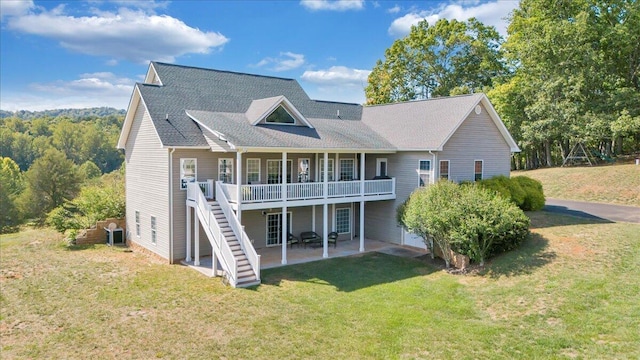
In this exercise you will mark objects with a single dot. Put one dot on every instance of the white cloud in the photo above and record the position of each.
(89, 90)
(132, 35)
(491, 13)
(337, 76)
(15, 7)
(394, 10)
(335, 5)
(286, 61)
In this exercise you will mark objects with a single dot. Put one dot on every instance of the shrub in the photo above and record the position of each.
(468, 219)
(534, 195)
(506, 187)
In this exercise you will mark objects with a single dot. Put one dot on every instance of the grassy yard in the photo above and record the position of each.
(612, 184)
(570, 291)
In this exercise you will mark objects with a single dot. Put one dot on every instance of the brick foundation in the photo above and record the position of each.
(96, 235)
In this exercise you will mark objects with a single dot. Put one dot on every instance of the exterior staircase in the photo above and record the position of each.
(232, 248)
(246, 275)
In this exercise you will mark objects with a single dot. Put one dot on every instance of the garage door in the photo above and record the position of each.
(411, 239)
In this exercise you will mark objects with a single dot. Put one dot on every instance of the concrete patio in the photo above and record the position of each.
(271, 257)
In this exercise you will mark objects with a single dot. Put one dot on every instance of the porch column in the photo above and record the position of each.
(313, 218)
(362, 162)
(189, 224)
(325, 208)
(214, 261)
(196, 241)
(239, 184)
(285, 226)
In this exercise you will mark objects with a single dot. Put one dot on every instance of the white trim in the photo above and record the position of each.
(353, 168)
(136, 217)
(448, 169)
(386, 166)
(246, 178)
(330, 161)
(288, 106)
(335, 219)
(282, 180)
(195, 172)
(152, 70)
(429, 172)
(481, 170)
(230, 160)
(266, 227)
(153, 229)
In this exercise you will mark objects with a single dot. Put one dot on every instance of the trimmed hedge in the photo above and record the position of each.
(523, 191)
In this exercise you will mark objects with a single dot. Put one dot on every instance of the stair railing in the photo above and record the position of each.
(238, 230)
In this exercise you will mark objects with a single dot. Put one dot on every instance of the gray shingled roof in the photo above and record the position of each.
(327, 134)
(424, 124)
(221, 91)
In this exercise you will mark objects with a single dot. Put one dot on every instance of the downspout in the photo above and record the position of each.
(435, 159)
(171, 205)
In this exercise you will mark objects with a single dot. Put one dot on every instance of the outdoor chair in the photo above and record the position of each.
(292, 240)
(333, 238)
(310, 237)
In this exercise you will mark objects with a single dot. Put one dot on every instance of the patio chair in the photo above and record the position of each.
(333, 238)
(292, 240)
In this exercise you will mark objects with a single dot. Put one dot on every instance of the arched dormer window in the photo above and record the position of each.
(280, 116)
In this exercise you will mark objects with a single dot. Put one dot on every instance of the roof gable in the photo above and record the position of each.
(260, 110)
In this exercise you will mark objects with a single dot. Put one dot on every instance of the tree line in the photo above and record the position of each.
(45, 162)
(567, 73)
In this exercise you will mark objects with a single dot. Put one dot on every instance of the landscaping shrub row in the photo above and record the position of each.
(523, 191)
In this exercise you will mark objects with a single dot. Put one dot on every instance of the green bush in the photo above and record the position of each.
(467, 219)
(534, 195)
(505, 187)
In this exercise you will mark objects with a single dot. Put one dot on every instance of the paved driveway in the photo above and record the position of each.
(618, 213)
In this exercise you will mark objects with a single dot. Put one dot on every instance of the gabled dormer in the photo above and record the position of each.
(275, 111)
(152, 76)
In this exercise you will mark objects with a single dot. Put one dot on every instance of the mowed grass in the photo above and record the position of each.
(571, 291)
(612, 184)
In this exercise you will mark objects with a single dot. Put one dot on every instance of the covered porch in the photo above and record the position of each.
(272, 257)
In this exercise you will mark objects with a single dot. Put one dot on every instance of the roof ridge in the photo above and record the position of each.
(335, 102)
(222, 71)
(429, 99)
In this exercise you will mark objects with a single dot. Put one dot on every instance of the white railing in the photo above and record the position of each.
(306, 191)
(301, 191)
(344, 188)
(213, 231)
(238, 230)
(261, 192)
(207, 188)
(379, 187)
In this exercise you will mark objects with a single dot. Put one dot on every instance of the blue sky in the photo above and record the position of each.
(75, 54)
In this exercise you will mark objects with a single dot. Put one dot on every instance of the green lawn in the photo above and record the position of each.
(613, 184)
(570, 291)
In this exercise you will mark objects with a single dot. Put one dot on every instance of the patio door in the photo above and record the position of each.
(274, 228)
(274, 171)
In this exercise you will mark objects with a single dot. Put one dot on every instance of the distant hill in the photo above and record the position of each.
(72, 113)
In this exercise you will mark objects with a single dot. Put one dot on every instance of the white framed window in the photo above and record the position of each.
(274, 228)
(424, 172)
(304, 170)
(225, 170)
(381, 167)
(280, 116)
(329, 172)
(253, 171)
(444, 169)
(154, 238)
(343, 220)
(188, 171)
(274, 171)
(137, 223)
(478, 167)
(347, 169)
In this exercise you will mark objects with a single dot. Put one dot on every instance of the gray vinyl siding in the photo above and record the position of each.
(477, 138)
(380, 216)
(146, 182)
(207, 168)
